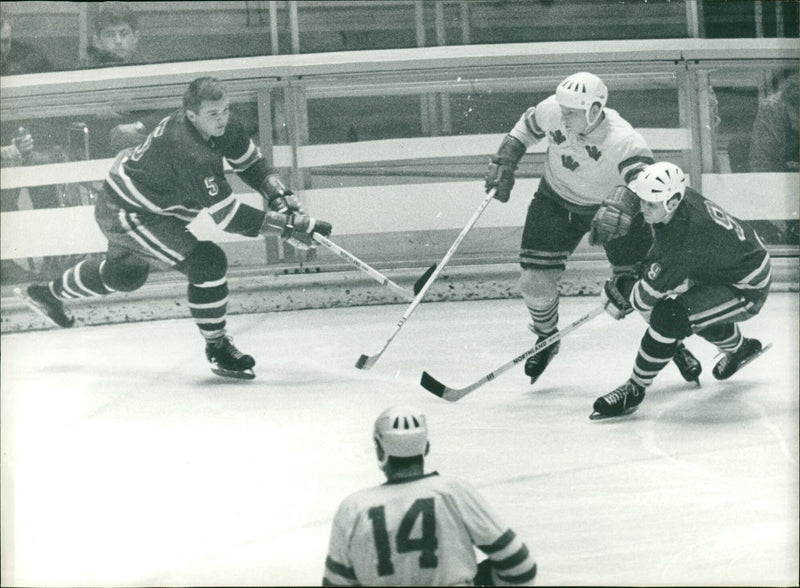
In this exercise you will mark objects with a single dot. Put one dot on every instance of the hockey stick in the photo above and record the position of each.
(367, 361)
(434, 386)
(372, 272)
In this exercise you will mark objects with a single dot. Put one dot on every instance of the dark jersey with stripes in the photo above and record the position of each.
(701, 243)
(175, 172)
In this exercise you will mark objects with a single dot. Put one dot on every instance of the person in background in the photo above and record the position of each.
(591, 152)
(774, 146)
(420, 529)
(19, 58)
(114, 42)
(115, 36)
(707, 272)
(150, 196)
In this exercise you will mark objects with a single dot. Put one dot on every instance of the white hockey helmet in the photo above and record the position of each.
(659, 182)
(581, 90)
(400, 431)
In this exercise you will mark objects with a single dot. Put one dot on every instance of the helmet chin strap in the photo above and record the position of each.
(591, 122)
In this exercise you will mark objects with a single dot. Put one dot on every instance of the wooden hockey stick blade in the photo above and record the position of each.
(423, 279)
(437, 388)
(364, 267)
(367, 361)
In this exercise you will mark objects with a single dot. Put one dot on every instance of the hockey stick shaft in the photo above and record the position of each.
(367, 361)
(435, 387)
(353, 260)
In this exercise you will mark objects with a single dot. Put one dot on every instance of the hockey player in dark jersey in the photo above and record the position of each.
(150, 196)
(707, 272)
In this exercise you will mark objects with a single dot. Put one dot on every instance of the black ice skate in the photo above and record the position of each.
(687, 364)
(621, 401)
(536, 363)
(228, 361)
(42, 302)
(733, 362)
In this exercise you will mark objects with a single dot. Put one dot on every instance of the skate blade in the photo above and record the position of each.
(596, 416)
(243, 375)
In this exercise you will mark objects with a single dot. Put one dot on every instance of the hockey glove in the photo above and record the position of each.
(295, 229)
(502, 167)
(277, 194)
(616, 295)
(484, 576)
(613, 218)
(287, 204)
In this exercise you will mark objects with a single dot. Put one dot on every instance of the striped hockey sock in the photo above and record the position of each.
(83, 280)
(208, 305)
(727, 339)
(544, 319)
(655, 352)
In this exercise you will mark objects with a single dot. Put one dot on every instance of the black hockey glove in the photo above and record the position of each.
(613, 218)
(502, 167)
(484, 575)
(616, 295)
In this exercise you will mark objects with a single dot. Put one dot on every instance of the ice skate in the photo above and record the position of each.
(621, 401)
(688, 365)
(228, 361)
(41, 301)
(536, 363)
(733, 362)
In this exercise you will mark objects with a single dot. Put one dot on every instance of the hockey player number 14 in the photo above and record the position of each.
(426, 543)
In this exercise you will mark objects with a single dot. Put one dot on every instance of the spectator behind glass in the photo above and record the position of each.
(19, 58)
(774, 146)
(115, 36)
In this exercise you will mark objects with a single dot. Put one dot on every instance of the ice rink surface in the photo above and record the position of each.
(127, 463)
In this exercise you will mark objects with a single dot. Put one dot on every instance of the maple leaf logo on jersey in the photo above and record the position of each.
(557, 136)
(569, 163)
(654, 271)
(593, 152)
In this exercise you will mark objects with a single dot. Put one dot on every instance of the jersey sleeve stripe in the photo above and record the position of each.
(533, 127)
(224, 211)
(501, 543)
(522, 578)
(514, 560)
(758, 278)
(250, 156)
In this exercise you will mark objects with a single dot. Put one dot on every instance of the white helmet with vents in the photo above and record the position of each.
(659, 182)
(400, 431)
(581, 90)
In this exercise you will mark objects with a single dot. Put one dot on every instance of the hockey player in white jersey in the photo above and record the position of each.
(420, 529)
(591, 150)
